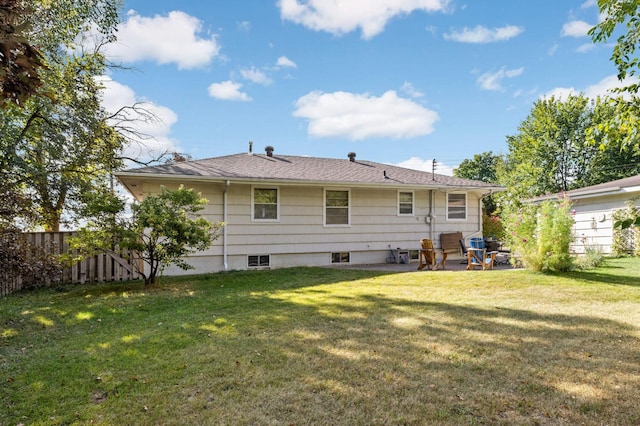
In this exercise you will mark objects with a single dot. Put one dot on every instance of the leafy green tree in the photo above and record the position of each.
(163, 229)
(616, 13)
(482, 167)
(622, 16)
(58, 144)
(554, 152)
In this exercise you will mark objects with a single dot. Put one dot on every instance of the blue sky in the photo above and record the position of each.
(396, 81)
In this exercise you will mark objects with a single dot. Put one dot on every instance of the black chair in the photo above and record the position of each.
(463, 247)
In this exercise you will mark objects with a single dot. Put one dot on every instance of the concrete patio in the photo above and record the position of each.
(453, 264)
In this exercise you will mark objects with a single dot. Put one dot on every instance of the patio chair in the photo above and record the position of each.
(427, 255)
(463, 249)
(478, 255)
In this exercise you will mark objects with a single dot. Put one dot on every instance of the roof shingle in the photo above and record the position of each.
(304, 169)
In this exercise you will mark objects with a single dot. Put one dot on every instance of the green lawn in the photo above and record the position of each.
(319, 346)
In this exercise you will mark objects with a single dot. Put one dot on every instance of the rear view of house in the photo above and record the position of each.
(282, 211)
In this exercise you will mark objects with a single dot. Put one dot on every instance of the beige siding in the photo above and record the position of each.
(299, 236)
(593, 222)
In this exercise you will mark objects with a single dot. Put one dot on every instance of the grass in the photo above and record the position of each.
(325, 346)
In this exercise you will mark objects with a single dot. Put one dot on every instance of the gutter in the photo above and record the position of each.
(288, 182)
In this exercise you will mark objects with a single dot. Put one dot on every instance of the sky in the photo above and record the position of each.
(401, 82)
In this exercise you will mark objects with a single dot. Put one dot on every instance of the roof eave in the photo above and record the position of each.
(126, 176)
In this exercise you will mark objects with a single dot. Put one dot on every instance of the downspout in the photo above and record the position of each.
(432, 216)
(479, 231)
(224, 229)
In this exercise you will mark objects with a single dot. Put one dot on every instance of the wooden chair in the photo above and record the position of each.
(478, 255)
(448, 243)
(427, 255)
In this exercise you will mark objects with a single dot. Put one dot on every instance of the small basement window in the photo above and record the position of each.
(342, 257)
(259, 261)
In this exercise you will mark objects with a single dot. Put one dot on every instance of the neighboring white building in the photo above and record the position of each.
(283, 211)
(593, 208)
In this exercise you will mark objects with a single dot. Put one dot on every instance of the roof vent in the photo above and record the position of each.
(250, 147)
(385, 174)
(352, 156)
(269, 150)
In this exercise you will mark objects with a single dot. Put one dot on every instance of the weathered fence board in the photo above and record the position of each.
(119, 265)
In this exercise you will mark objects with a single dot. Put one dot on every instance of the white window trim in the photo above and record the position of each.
(258, 220)
(324, 208)
(258, 266)
(466, 207)
(413, 204)
(340, 253)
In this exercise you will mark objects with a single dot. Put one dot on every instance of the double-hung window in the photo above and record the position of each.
(265, 204)
(456, 206)
(336, 207)
(405, 203)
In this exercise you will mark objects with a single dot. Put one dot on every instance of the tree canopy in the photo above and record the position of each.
(56, 143)
(482, 167)
(552, 152)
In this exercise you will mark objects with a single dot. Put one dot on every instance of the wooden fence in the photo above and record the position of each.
(120, 265)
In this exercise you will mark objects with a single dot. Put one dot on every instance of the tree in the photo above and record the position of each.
(553, 151)
(616, 13)
(59, 144)
(624, 127)
(163, 229)
(482, 167)
(20, 62)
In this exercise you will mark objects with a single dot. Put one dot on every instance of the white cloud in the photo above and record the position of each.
(340, 17)
(147, 127)
(244, 26)
(285, 62)
(228, 91)
(587, 47)
(417, 163)
(589, 3)
(575, 29)
(482, 34)
(493, 81)
(601, 88)
(362, 116)
(173, 38)
(256, 76)
(410, 90)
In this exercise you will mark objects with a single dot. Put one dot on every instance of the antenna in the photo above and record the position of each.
(433, 169)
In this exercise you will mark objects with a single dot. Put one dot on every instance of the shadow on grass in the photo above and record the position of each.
(287, 347)
(423, 361)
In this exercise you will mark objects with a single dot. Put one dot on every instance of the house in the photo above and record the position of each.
(593, 208)
(282, 211)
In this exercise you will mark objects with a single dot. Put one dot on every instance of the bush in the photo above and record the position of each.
(22, 262)
(626, 241)
(539, 236)
(593, 257)
(492, 226)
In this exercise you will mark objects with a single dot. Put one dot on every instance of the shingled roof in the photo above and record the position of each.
(621, 186)
(285, 168)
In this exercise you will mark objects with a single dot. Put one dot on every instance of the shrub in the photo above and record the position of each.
(25, 263)
(492, 226)
(593, 257)
(626, 241)
(539, 236)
